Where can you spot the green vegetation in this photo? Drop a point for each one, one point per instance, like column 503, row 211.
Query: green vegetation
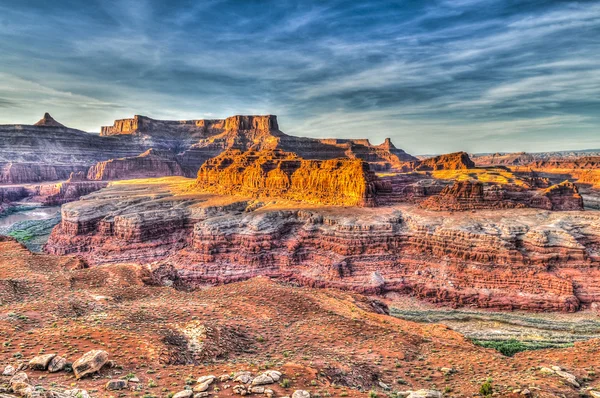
column 486, row 388
column 512, row 346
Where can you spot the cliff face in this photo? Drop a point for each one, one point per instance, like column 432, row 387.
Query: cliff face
column 277, row 174
column 470, row 195
column 50, row 151
column 505, row 259
column 451, row 161
column 147, row 165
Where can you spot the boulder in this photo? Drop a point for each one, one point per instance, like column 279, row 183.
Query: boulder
column 243, row 377
column 57, row 364
column 201, row 387
column 262, row 379
column 203, row 379
column 116, row 385
column 41, row 362
column 273, row 374
column 301, row 394
column 568, row 377
column 9, row 370
column 184, row 394
column 19, row 382
column 90, row 362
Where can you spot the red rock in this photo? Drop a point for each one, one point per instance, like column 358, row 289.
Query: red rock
column 283, row 175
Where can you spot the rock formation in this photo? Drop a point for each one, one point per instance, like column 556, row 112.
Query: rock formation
column 49, row 151
column 283, row 175
column 149, row 164
column 49, row 121
column 506, row 259
column 451, row 161
column 470, row 195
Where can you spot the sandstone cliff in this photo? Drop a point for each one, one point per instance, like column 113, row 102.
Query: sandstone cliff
column 451, row 161
column 474, row 195
column 508, row 259
column 149, row 164
column 277, row 174
column 50, row 151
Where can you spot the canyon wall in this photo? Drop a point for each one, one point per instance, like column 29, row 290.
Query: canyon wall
column 49, row 151
column 474, row 195
column 450, row 161
column 283, row 175
column 528, row 259
column 149, row 164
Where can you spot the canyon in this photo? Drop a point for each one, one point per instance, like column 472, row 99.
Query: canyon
column 521, row 258
column 157, row 216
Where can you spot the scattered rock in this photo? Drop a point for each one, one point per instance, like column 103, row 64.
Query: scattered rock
column 546, row 371
column 77, row 393
column 116, row 385
column 275, row 375
column 240, row 389
column 20, row 377
column 41, row 362
column 184, row 394
column 9, row 371
column 262, row 379
column 257, row 390
column 243, row 377
column 526, row 392
column 90, row 362
column 201, row 395
column 425, row 394
column 224, row 378
column 595, row 394
column 57, row 364
column 383, row 385
column 203, row 379
column 203, row 386
column 301, row 394
column 568, row 377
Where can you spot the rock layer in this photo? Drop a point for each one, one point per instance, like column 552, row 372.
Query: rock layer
column 283, row 175
column 510, row 259
column 149, row 164
column 49, row 151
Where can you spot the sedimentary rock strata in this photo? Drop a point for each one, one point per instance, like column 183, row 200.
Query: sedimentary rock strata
column 473, row 195
column 283, row 175
column 49, row 151
column 149, row 164
column 451, row 161
column 510, row 259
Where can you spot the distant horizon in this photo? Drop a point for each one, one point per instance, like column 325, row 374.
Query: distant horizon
column 435, row 75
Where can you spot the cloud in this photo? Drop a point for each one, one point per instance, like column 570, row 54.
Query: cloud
column 478, row 73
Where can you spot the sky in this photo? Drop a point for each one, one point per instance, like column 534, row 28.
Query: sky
column 435, row 76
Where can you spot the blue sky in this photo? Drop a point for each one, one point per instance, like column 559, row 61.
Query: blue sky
column 435, row 76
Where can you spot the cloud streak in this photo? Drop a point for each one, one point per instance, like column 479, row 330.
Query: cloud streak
column 435, row 76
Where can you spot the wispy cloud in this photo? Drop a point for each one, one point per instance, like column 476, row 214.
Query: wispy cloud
column 432, row 75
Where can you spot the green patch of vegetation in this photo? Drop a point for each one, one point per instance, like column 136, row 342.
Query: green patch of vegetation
column 486, row 388
column 21, row 236
column 512, row 346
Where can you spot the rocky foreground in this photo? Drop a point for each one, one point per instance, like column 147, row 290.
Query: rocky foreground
column 517, row 258
column 116, row 329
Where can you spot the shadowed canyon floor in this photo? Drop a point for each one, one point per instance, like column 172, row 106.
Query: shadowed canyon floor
column 329, row 342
